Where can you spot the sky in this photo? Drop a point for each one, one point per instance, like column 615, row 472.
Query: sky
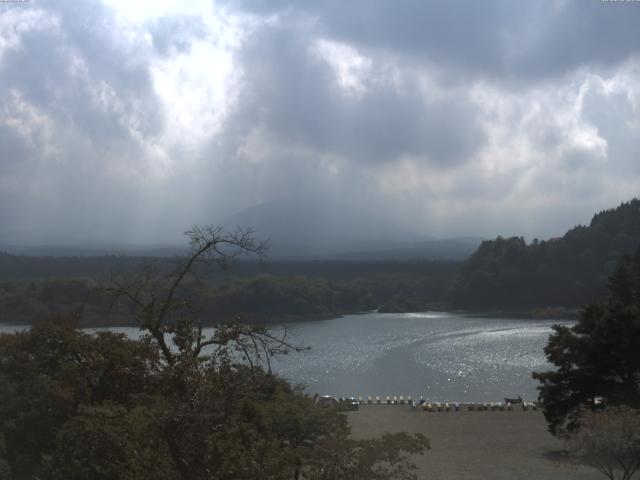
column 129, row 122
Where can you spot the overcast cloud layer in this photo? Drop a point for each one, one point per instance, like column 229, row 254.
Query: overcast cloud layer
column 129, row 124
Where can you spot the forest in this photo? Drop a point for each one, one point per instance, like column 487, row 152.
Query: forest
column 505, row 274
column 173, row 404
column 508, row 273
column 31, row 288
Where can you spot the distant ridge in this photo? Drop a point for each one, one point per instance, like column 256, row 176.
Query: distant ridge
column 322, row 228
column 317, row 222
column 299, row 228
column 93, row 250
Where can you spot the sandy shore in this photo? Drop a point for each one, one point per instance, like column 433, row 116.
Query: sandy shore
column 476, row 445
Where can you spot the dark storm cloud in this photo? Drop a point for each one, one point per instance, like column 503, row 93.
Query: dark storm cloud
column 461, row 32
column 76, row 99
column 580, row 33
column 498, row 39
column 297, row 98
column 82, row 76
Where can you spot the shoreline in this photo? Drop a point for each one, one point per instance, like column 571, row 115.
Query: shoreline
column 560, row 314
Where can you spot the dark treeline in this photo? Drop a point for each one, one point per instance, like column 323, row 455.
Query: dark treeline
column 503, row 274
column 568, row 271
column 266, row 298
column 21, row 267
column 267, row 291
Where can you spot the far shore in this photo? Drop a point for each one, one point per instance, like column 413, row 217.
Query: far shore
column 106, row 321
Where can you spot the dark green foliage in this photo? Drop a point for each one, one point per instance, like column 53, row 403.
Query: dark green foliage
column 260, row 299
column 46, row 373
column 291, row 292
column 173, row 405
column 269, row 298
column 77, row 406
column 31, row 301
column 569, row 271
column 598, row 357
column 5, row 469
column 427, row 285
column 401, row 303
column 110, row 442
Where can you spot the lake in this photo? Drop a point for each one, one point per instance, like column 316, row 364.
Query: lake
column 440, row 356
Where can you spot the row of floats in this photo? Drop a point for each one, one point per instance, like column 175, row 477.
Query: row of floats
column 426, row 406
column 480, row 407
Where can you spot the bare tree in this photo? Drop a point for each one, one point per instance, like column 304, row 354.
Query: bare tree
column 610, row 442
column 167, row 316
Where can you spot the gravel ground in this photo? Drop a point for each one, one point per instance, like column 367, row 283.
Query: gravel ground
column 476, row 445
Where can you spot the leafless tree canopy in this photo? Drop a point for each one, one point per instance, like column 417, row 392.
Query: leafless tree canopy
column 166, row 316
column 610, row 441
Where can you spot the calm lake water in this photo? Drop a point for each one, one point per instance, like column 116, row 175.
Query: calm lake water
column 441, row 356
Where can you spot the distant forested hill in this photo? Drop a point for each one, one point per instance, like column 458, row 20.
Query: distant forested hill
column 506, row 273
column 33, row 288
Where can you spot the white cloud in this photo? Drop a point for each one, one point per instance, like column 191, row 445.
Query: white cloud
column 193, row 110
column 142, row 11
column 352, row 70
column 16, row 22
column 197, row 89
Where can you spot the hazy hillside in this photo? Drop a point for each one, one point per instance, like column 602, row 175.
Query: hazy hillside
column 318, row 223
column 567, row 271
column 326, row 229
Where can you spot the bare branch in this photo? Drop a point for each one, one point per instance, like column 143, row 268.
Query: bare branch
column 160, row 311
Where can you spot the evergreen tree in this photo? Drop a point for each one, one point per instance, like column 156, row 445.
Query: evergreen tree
column 597, row 359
